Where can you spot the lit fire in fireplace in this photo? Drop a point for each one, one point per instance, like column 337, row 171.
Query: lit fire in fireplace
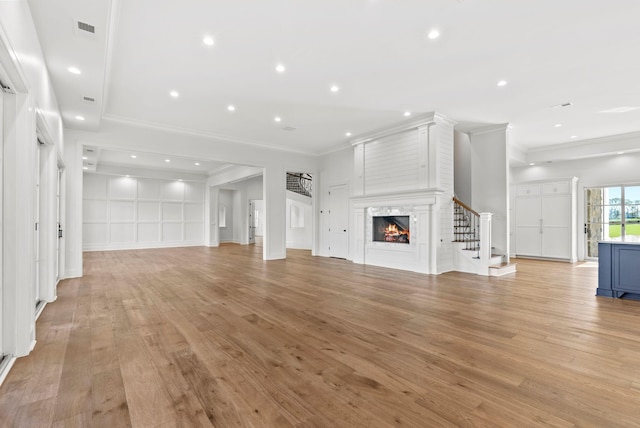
column 391, row 229
column 393, row 234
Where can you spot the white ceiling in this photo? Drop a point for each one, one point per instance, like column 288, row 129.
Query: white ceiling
column 377, row 52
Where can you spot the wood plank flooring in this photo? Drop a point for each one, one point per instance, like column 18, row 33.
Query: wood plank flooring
column 217, row 337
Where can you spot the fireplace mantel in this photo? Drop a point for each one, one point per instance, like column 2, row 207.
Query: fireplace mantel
column 409, row 197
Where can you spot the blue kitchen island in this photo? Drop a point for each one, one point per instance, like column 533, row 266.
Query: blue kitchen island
column 619, row 269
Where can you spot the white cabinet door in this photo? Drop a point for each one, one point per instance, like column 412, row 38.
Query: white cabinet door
column 556, row 226
column 556, row 242
column 528, row 237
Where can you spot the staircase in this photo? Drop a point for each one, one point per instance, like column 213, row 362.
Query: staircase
column 299, row 182
column 466, row 224
column 473, row 250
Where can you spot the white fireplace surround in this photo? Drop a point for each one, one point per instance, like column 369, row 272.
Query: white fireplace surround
column 419, row 254
column 405, row 169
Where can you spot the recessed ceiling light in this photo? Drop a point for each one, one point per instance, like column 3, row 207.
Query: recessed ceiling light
column 574, row 136
column 133, row 156
column 407, row 113
column 502, row 83
column 179, row 179
column 167, row 160
column 197, row 164
column 127, row 176
column 558, row 125
column 532, row 163
column 74, row 70
column 231, row 108
column 174, row 94
column 85, row 167
column 80, row 118
column 84, row 158
column 433, row 34
column 620, row 153
column 277, row 119
column 280, row 68
column 208, row 40
column 620, row 110
column 334, row 88
column 348, row 134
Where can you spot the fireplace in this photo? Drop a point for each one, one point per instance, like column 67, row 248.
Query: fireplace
column 393, row 229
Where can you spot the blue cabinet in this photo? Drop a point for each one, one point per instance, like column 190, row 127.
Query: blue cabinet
column 618, row 269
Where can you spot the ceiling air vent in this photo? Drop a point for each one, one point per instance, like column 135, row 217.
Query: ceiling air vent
column 89, row 99
column 83, row 26
column 563, row 105
column 288, row 128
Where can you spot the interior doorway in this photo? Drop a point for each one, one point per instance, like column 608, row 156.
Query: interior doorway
column 36, row 235
column 256, row 220
column 58, row 266
column 252, row 222
column 611, row 214
column 2, row 313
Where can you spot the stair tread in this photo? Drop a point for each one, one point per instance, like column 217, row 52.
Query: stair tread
column 502, row 265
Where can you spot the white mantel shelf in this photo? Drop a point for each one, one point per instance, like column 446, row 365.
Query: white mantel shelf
column 422, row 196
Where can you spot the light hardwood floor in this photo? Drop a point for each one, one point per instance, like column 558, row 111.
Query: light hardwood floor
column 218, row 337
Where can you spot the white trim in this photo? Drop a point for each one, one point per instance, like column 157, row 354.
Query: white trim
column 10, row 67
column 202, row 134
column 5, row 366
column 414, row 123
column 141, row 246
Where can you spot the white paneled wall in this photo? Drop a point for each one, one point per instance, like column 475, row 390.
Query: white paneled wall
column 123, row 212
column 392, row 163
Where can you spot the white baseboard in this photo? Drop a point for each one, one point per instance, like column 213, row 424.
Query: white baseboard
column 5, row 366
column 141, row 246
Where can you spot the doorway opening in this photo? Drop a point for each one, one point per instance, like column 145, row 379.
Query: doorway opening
column 611, row 214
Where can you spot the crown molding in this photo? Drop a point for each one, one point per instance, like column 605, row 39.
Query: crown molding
column 426, row 119
column 201, row 134
column 503, row 127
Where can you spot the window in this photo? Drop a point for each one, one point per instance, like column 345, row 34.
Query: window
column 612, row 214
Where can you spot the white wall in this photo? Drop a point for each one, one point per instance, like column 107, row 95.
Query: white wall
column 490, row 181
column 299, row 221
column 336, row 168
column 259, row 207
column 34, row 106
column 118, row 135
column 591, row 172
column 73, row 211
column 227, row 216
column 126, row 212
column 462, row 167
column 235, row 197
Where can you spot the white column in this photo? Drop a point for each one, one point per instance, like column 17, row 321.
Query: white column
column 433, row 239
column 485, row 243
column 275, row 201
column 73, row 209
column 48, row 227
column 358, row 170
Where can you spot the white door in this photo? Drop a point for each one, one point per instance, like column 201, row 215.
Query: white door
column 528, row 226
column 338, row 222
column 252, row 222
column 59, row 223
column 556, row 226
column 36, row 280
column 1, row 224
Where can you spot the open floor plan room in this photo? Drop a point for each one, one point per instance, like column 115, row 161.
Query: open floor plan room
column 218, row 337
